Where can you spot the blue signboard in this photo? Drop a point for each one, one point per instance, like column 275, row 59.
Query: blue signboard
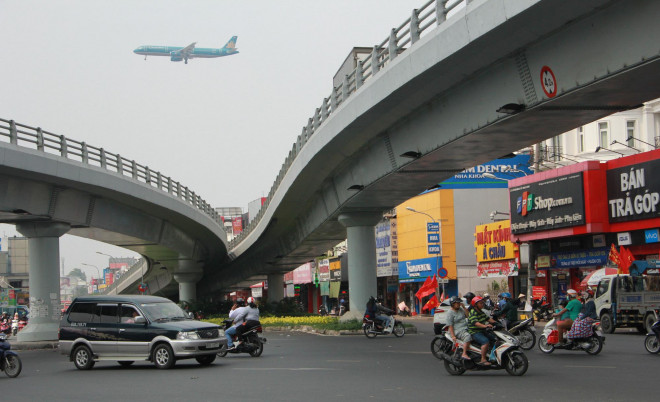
column 435, row 238
column 434, row 248
column 418, row 270
column 504, row 169
column 651, row 236
column 580, row 258
column 432, row 226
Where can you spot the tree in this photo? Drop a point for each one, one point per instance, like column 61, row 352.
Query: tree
column 78, row 273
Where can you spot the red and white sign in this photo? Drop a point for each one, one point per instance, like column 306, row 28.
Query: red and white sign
column 237, row 225
column 497, row 269
column 548, row 82
column 538, row 292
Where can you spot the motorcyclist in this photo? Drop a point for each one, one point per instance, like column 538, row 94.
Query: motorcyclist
column 456, row 320
column 568, row 314
column 488, row 303
column 468, row 298
column 249, row 316
column 478, row 323
column 508, row 312
column 375, row 306
column 582, row 326
column 236, row 310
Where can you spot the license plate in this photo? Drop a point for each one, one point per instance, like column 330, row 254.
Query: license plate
column 213, row 345
column 599, row 333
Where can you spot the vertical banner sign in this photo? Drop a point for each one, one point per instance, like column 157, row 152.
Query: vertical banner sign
column 433, row 238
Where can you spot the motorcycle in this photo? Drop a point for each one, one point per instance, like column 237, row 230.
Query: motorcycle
column 10, row 363
column 251, row 342
column 5, row 327
column 549, row 340
column 504, row 354
column 525, row 332
column 652, row 341
column 372, row 328
column 542, row 309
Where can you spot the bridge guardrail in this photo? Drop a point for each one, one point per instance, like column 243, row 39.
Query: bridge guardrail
column 54, row 144
column 400, row 39
column 432, row 13
column 138, row 266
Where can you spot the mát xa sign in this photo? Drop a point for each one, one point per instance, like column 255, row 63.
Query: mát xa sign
column 633, row 192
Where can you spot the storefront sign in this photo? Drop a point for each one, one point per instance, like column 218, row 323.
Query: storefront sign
column 548, row 204
column 574, row 259
column 493, row 242
column 497, row 269
column 623, row 239
column 302, row 274
column 599, row 241
column 538, row 292
column 418, row 270
column 503, row 169
column 633, row 192
column 651, row 236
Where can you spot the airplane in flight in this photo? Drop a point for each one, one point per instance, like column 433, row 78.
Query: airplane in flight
column 189, row 52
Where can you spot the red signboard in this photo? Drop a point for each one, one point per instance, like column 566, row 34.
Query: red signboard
column 237, row 225
column 109, row 278
column 538, row 292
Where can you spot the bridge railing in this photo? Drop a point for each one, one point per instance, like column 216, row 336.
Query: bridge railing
column 55, row 144
column 431, row 14
column 139, row 267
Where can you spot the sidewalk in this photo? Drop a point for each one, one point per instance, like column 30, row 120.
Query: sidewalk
column 37, row 345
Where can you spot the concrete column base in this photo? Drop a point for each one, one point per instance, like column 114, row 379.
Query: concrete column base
column 39, row 332
column 275, row 288
column 354, row 314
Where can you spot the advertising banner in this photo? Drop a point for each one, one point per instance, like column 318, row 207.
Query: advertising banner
column 324, row 270
column 302, row 274
column 497, row 269
column 335, row 269
column 418, row 270
column 538, row 292
column 288, row 278
column 493, row 242
column 548, row 204
column 384, row 266
column 237, row 225
column 633, row 192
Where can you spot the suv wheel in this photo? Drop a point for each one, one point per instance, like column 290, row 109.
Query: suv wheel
column 82, row 358
column 163, row 357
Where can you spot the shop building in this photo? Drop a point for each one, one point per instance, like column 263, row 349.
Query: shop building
column 571, row 217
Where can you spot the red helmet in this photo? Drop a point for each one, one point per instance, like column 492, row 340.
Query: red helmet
column 475, row 300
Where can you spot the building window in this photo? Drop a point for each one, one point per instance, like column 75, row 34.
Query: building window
column 630, row 132
column 603, row 133
column 580, row 139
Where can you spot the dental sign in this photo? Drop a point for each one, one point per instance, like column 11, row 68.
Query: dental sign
column 549, row 204
column 633, row 192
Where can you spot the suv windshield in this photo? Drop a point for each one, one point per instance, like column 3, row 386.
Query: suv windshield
column 163, row 311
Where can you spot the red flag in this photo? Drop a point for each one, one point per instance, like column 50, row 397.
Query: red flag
column 626, row 260
column 429, row 286
column 442, row 297
column 614, row 255
column 432, row 303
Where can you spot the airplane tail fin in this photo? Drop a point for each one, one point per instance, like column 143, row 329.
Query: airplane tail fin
column 232, row 43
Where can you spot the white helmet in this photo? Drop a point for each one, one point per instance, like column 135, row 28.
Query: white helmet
column 250, row 300
column 571, row 292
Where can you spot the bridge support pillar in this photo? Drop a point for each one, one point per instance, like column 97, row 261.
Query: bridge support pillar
column 44, row 252
column 275, row 288
column 362, row 260
column 188, row 273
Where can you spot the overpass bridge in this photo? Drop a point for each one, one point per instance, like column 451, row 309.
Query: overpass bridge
column 438, row 95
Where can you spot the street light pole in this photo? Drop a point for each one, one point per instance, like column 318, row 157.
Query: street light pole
column 437, row 257
column 98, row 273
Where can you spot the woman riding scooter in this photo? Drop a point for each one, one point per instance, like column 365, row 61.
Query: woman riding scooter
column 568, row 314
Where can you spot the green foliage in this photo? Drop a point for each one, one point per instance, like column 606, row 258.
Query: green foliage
column 78, row 273
column 286, row 307
column 495, row 288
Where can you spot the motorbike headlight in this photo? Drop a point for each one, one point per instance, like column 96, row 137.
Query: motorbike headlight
column 191, row 335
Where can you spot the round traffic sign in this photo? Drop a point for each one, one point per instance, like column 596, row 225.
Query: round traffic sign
column 442, row 273
column 548, row 82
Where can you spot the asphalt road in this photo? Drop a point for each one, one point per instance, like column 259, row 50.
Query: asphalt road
column 305, row 367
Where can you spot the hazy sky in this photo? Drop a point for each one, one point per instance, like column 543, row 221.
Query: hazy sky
column 222, row 127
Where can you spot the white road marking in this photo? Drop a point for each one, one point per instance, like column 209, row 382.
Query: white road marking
column 606, row 367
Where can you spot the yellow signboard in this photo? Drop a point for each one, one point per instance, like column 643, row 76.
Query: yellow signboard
column 493, row 242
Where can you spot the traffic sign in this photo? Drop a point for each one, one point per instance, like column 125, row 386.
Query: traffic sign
column 548, row 82
column 443, row 280
column 434, row 248
column 432, row 226
column 442, row 273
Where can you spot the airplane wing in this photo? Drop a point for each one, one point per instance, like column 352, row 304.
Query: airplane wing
column 187, row 51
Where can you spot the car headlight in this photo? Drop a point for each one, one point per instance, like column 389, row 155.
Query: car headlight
column 192, row 335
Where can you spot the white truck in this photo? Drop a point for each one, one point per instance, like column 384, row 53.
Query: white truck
column 627, row 301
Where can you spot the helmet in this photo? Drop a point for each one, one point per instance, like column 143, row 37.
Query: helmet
column 455, row 299
column 250, row 300
column 240, row 302
column 486, row 296
column 469, row 296
column 476, row 300
column 506, row 295
column 520, row 296
column 571, row 292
